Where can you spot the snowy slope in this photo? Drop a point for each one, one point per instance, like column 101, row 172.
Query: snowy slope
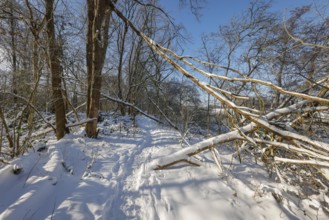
column 110, row 178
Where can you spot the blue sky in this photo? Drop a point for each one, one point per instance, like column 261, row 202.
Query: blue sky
column 219, row 12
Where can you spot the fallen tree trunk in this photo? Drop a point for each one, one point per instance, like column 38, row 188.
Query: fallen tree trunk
column 210, row 143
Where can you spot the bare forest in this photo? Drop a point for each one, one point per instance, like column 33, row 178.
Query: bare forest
column 258, row 85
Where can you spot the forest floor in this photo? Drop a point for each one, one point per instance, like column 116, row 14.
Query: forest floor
column 111, row 178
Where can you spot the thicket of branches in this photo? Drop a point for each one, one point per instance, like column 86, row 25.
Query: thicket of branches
column 260, row 82
column 58, row 58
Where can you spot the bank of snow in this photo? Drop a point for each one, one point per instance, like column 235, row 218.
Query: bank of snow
column 111, row 178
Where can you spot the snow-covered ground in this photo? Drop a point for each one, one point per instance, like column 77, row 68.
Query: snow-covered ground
column 110, row 178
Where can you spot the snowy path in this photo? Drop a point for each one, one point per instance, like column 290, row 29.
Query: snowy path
column 110, row 178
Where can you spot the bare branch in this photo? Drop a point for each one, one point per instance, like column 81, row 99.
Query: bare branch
column 132, row 106
column 32, row 106
column 156, row 7
column 163, row 114
column 302, row 41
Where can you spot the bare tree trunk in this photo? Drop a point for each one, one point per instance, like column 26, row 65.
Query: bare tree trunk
column 120, row 67
column 279, row 75
column 89, row 49
column 99, row 14
column 4, row 124
column 13, row 48
column 36, row 77
column 56, row 72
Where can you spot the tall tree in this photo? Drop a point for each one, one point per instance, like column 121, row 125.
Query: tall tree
column 56, row 71
column 13, row 24
column 121, row 47
column 99, row 14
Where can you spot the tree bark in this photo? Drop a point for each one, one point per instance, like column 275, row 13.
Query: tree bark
column 56, row 72
column 99, row 14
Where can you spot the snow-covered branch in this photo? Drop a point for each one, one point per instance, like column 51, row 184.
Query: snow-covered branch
column 246, row 79
column 257, row 119
column 216, row 141
column 305, row 162
column 81, row 122
column 132, row 106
